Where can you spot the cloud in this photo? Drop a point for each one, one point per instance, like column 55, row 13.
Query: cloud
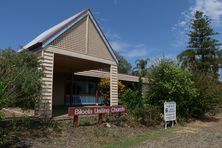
column 120, row 46
column 127, row 49
column 138, row 51
column 130, row 50
column 211, row 8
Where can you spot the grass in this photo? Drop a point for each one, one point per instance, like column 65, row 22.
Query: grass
column 86, row 121
column 133, row 141
column 29, row 132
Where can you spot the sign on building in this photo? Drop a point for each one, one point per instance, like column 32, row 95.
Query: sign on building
column 169, row 112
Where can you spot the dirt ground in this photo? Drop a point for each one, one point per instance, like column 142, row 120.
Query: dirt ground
column 83, row 136
column 198, row 134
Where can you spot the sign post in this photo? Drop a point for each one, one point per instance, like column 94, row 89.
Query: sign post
column 169, row 112
column 99, row 110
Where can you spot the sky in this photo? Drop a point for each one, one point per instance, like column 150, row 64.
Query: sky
column 137, row 29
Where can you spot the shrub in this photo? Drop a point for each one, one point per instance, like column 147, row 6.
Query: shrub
column 146, row 114
column 4, row 100
column 20, row 74
column 133, row 100
column 151, row 115
column 169, row 82
column 209, row 97
column 104, row 87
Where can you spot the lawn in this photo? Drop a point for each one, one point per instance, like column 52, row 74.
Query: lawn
column 198, row 133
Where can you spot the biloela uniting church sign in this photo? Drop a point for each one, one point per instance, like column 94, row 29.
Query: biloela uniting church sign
column 95, row 110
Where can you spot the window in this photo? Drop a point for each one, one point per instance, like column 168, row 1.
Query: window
column 80, row 87
column 92, row 88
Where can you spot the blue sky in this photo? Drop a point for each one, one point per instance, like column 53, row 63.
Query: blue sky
column 135, row 28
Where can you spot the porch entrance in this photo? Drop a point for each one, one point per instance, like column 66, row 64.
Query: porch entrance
column 73, row 90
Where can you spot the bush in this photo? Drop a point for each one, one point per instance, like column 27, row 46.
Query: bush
column 133, row 100
column 20, row 74
column 104, row 88
column 209, row 97
column 151, row 115
column 169, row 82
column 4, row 100
column 146, row 114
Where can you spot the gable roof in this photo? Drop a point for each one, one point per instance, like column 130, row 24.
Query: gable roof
column 52, row 33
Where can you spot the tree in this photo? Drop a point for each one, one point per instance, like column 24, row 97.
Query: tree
column 202, row 53
column 141, row 67
column 133, row 99
column 124, row 66
column 169, row 82
column 209, row 98
column 20, row 79
column 104, row 88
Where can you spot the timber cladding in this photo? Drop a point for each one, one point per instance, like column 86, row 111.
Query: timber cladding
column 83, row 38
column 74, row 39
column 113, row 85
column 96, row 46
column 44, row 108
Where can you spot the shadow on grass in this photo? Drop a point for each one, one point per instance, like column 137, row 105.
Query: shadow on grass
column 207, row 118
column 14, row 129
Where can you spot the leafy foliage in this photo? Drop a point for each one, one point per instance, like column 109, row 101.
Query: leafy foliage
column 141, row 67
column 104, row 88
column 151, row 115
column 20, row 75
column 133, row 100
column 124, row 66
column 146, row 114
column 4, row 100
column 169, row 82
column 203, row 50
column 209, row 97
column 202, row 58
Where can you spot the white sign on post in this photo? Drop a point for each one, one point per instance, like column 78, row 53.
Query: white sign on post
column 169, row 111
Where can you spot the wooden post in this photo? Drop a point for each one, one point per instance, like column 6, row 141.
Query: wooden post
column 100, row 121
column 97, row 97
column 71, row 101
column 75, row 121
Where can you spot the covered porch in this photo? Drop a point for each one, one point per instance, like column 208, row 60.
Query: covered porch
column 70, row 89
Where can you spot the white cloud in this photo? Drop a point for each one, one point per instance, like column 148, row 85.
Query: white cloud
column 119, row 45
column 130, row 50
column 127, row 49
column 182, row 23
column 138, row 51
column 211, row 8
